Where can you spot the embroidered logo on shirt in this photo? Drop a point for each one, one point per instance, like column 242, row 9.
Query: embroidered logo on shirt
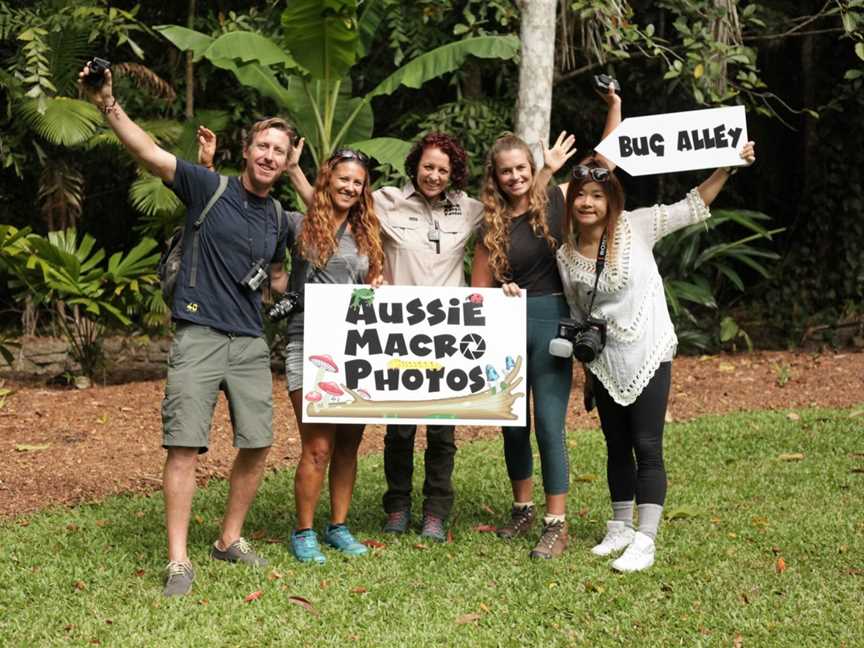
column 452, row 210
column 192, row 308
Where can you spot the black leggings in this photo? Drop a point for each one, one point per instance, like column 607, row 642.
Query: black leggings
column 636, row 429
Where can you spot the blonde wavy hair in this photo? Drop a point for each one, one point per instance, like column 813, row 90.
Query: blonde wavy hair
column 497, row 211
column 317, row 240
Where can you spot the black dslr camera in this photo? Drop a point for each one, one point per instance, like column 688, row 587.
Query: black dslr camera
column 96, row 77
column 290, row 302
column 583, row 340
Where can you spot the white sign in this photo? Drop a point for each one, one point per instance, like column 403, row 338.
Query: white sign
column 682, row 141
column 410, row 354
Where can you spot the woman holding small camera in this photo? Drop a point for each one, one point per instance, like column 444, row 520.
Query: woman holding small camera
column 609, row 275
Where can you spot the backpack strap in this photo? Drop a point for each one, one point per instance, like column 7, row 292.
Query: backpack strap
column 223, row 184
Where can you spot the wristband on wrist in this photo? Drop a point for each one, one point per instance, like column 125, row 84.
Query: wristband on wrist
column 107, row 108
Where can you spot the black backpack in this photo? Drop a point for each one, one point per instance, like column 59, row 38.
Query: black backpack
column 168, row 268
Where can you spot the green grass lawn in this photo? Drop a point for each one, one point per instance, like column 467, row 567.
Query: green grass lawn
column 741, row 497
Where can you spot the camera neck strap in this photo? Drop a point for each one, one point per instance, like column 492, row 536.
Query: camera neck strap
column 339, row 234
column 598, row 268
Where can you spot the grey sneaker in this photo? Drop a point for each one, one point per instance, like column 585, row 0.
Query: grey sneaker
column 398, row 521
column 521, row 521
column 178, row 578
column 433, row 528
column 240, row 551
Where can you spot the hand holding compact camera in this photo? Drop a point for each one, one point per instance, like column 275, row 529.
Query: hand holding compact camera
column 602, row 81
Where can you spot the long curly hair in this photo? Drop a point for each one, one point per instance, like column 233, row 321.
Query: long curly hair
column 614, row 193
column 450, row 146
column 317, row 240
column 498, row 212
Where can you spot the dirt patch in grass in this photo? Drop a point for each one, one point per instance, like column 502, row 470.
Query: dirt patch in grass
column 68, row 446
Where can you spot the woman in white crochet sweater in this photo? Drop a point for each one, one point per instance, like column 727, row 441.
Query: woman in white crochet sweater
column 630, row 378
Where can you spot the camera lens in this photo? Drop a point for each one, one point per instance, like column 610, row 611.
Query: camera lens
column 587, row 345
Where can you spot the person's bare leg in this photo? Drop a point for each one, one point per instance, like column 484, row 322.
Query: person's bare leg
column 178, row 488
column 317, row 447
column 343, row 471
column 245, row 478
column 556, row 504
column 523, row 489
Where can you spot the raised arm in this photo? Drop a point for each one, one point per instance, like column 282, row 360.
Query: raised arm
column 613, row 119
column 296, row 176
column 140, row 145
column 714, row 183
column 206, row 147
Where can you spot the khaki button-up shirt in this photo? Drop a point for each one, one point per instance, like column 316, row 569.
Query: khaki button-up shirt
column 407, row 218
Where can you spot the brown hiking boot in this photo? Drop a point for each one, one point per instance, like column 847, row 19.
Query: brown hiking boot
column 553, row 542
column 521, row 521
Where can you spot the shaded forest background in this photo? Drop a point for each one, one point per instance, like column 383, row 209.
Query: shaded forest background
column 798, row 68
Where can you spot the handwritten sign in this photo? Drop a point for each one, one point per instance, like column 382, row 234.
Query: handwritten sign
column 412, row 355
column 682, row 141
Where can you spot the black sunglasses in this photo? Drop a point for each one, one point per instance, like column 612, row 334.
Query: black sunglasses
column 342, row 154
column 598, row 174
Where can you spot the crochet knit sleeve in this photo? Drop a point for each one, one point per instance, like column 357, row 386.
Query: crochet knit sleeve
column 658, row 221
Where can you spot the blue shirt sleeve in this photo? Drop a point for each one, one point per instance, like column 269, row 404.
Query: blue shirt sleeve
column 193, row 185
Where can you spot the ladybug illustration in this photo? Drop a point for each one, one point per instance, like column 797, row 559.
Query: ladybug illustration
column 475, row 298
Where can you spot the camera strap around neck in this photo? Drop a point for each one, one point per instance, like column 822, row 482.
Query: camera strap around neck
column 339, row 234
column 598, row 268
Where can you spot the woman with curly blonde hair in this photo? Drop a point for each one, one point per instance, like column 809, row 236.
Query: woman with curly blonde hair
column 523, row 229
column 338, row 241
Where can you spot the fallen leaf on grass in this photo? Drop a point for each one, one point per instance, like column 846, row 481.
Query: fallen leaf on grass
column 139, row 573
column 71, row 527
column 258, row 535
column 597, row 588
column 582, row 513
column 682, row 513
column 102, row 420
column 856, row 413
column 485, row 608
column 485, row 528
column 302, row 602
column 274, row 575
column 32, row 447
column 791, row 456
column 759, row 521
column 102, row 523
column 254, row 596
column 780, row 565
column 738, row 642
column 421, row 546
column 199, row 519
column 358, row 590
column 373, row 544
column 792, row 416
column 588, row 477
column 726, row 367
column 204, row 602
column 775, row 550
column 854, row 571
column 488, row 509
column 79, row 585
column 464, row 619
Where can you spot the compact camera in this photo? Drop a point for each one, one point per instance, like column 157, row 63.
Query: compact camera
column 96, row 77
column 602, row 81
column 290, row 302
column 255, row 277
column 583, row 340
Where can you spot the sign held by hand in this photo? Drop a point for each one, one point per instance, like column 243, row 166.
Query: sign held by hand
column 682, row 141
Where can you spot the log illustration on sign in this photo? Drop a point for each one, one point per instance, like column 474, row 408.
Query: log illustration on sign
column 496, row 402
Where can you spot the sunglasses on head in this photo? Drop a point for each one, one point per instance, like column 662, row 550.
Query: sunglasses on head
column 342, row 154
column 598, row 174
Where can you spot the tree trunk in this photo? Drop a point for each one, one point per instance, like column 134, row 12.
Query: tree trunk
column 190, row 70
column 536, row 70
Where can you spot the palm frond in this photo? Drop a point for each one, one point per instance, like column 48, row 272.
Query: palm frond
column 70, row 48
column 149, row 196
column 65, row 121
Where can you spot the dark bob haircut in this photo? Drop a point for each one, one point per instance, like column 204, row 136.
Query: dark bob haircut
column 450, row 146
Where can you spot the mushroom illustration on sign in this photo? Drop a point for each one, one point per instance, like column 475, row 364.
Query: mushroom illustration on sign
column 314, row 397
column 509, row 363
column 322, row 363
column 491, row 376
column 332, row 390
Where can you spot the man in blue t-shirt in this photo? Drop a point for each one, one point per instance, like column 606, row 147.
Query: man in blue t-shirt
column 219, row 343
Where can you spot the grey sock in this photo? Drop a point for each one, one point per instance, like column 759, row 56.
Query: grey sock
column 623, row 512
column 649, row 519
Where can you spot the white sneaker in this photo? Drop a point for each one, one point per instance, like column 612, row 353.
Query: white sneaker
column 638, row 556
column 618, row 537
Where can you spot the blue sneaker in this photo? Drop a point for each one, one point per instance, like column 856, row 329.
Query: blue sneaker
column 304, row 546
column 340, row 538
